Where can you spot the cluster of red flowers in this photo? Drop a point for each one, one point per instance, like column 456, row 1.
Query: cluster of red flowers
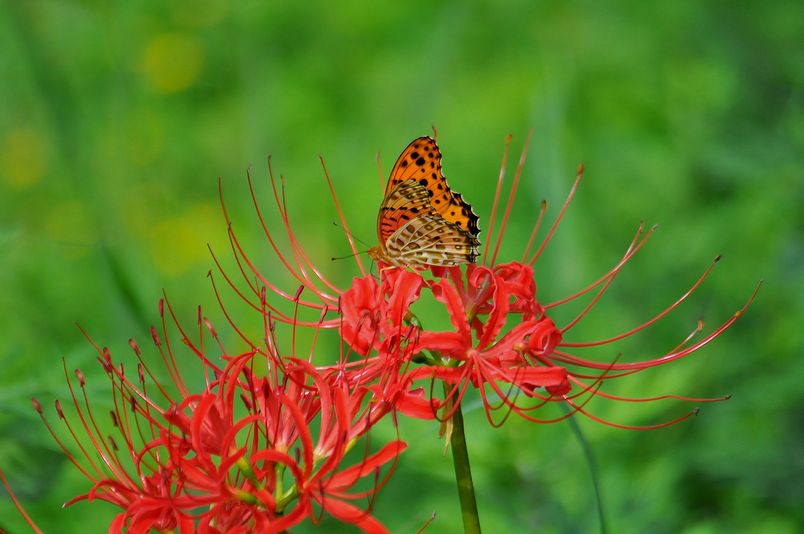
column 262, row 446
column 264, row 443
column 503, row 341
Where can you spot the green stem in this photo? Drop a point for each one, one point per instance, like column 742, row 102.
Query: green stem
column 463, row 475
column 590, row 461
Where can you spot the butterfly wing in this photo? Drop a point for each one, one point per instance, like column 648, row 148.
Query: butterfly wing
column 403, row 203
column 413, row 233
column 431, row 240
column 421, row 220
column 421, row 162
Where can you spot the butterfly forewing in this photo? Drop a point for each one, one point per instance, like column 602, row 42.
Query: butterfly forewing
column 406, row 201
column 421, row 161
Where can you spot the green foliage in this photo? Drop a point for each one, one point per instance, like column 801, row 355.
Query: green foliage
column 120, row 117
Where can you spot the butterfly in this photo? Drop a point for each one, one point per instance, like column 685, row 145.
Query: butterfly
column 421, row 220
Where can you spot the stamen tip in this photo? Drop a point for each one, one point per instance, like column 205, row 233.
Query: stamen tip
column 298, row 293
column 717, row 258
column 580, row 169
column 728, row 397
column 696, row 411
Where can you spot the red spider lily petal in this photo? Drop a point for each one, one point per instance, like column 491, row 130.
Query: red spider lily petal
column 361, row 307
column 373, row 314
column 544, row 337
column 414, row 403
column 232, row 517
column 446, row 292
column 348, row 477
column 452, row 344
column 403, row 288
column 498, row 314
column 348, row 513
column 521, row 285
column 525, row 377
column 330, row 493
column 206, row 426
column 147, row 514
column 554, row 379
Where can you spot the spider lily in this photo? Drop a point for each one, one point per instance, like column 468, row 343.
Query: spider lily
column 503, row 340
column 251, row 451
column 262, row 444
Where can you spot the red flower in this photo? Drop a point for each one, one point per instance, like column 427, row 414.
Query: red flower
column 493, row 359
column 361, row 307
column 215, row 461
column 373, row 314
column 502, row 337
column 261, row 446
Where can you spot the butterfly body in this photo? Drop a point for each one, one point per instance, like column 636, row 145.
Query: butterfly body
column 421, row 220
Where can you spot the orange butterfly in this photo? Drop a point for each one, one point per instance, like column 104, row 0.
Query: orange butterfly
column 421, row 220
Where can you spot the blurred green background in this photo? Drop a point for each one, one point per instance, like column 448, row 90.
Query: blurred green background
column 118, row 118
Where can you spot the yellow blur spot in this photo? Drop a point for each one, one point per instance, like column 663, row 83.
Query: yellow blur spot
column 23, row 158
column 179, row 242
column 172, row 62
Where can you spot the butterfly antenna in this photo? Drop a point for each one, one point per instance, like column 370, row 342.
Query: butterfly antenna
column 435, row 132
column 336, row 225
column 335, row 258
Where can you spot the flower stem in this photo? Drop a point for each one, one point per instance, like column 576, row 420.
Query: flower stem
column 463, row 475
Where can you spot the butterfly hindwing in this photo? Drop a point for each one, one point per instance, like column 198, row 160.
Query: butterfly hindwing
column 431, row 240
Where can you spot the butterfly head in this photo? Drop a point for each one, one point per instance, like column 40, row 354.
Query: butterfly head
column 375, row 253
